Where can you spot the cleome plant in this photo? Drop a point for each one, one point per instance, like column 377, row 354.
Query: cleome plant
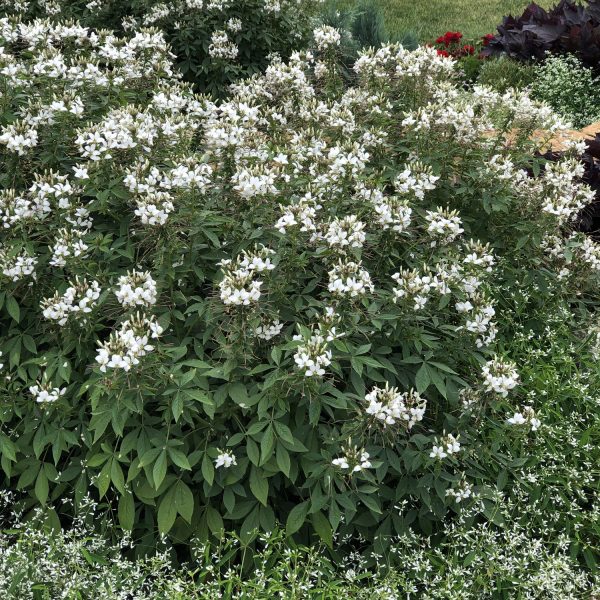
column 279, row 308
column 215, row 42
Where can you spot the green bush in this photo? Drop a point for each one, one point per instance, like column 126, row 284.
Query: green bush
column 216, row 42
column 503, row 73
column 570, row 88
column 275, row 309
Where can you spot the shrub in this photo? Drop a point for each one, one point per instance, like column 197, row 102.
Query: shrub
column 216, row 42
column 502, row 74
column 571, row 89
column 568, row 28
column 270, row 310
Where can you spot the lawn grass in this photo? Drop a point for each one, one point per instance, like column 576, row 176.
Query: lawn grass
column 428, row 19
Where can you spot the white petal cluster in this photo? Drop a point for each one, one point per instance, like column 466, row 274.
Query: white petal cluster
column 313, row 356
column 415, row 180
column 347, row 232
column 463, row 491
column 349, row 279
column 353, row 460
column 136, row 289
column 225, row 459
column 128, row 344
column 525, row 418
column 78, row 301
column 239, row 286
column 222, row 47
column 67, row 244
column 268, row 330
column 19, row 138
column 500, row 376
column 447, row 446
column 444, row 225
column 327, row 37
column 45, row 393
column 17, row 266
column 389, row 406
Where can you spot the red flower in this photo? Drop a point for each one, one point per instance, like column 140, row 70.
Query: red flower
column 487, row 38
column 468, row 49
column 452, row 37
column 443, row 53
column 441, row 40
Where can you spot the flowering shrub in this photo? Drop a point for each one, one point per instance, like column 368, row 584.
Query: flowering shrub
column 570, row 88
column 216, row 42
column 279, row 308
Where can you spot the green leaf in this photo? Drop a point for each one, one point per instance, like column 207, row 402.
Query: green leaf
column 323, row 528
column 41, row 487
column 283, row 459
column 214, row 520
column 167, row 512
column 259, row 485
column 179, row 458
column 159, row 470
column 296, row 518
column 116, row 475
column 184, row 500
column 238, row 393
column 267, row 444
column 126, row 511
column 422, row 379
column 208, row 469
column 252, row 451
column 13, row 308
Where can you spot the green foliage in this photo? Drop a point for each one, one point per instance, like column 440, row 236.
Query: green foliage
column 570, row 88
column 503, row 73
column 470, row 562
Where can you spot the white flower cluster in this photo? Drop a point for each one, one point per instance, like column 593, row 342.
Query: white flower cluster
column 78, row 301
column 45, row 393
column 327, row 37
column 345, row 233
column 391, row 212
column 349, row 279
column 154, row 208
column 136, row 289
column 526, row 417
column 415, row 180
column 463, row 491
column 500, row 376
column 445, row 447
column 19, row 138
column 352, row 460
column 302, row 214
column 389, row 406
column 268, row 330
column 128, row 344
column 444, row 225
column 68, row 243
column 313, row 356
column 225, row 459
column 17, row 266
column 238, row 286
column 222, row 47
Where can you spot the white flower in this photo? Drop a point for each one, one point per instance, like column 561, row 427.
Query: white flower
column 326, row 37
column 500, row 377
column 136, row 289
column 225, row 459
